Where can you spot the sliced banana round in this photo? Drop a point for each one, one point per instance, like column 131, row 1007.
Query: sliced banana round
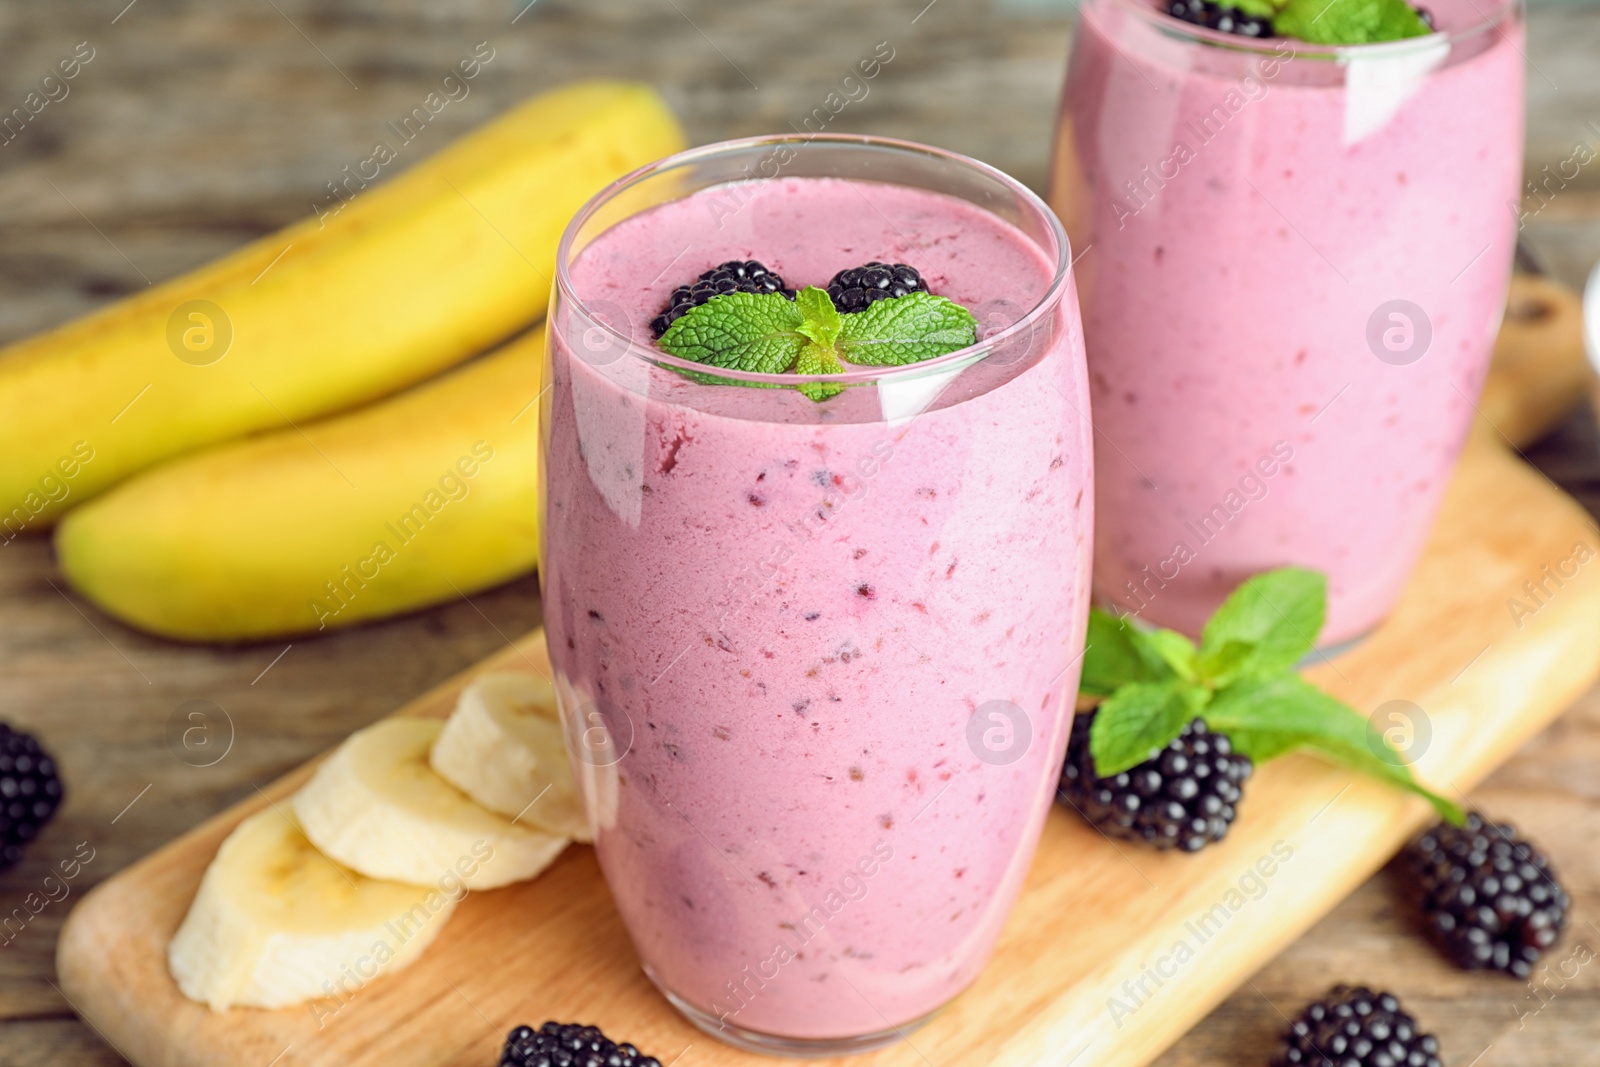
column 503, row 747
column 375, row 805
column 276, row 922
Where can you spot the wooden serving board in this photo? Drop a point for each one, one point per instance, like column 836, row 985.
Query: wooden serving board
column 1112, row 952
column 1540, row 370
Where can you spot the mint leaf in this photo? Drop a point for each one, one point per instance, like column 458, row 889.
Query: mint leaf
column 906, row 329
column 1114, row 656
column 821, row 325
column 1138, row 720
column 1267, row 625
column 1266, row 717
column 822, row 319
column 1349, row 21
column 770, row 334
column 740, row 331
column 1173, row 649
column 1264, row 9
column 817, row 359
column 1116, row 652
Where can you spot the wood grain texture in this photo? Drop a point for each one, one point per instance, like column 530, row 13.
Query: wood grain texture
column 1124, row 926
column 1541, row 371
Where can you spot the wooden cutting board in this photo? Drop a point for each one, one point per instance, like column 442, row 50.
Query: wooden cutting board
column 1092, row 917
column 1540, row 370
column 1112, row 951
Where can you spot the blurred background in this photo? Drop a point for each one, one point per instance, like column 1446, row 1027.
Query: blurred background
column 197, row 127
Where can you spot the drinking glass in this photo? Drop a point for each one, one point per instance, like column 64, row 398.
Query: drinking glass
column 816, row 660
column 1294, row 263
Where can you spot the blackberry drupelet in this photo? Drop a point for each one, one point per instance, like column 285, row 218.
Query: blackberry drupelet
column 857, row 288
column 734, row 276
column 30, row 792
column 1215, row 16
column 1488, row 898
column 1184, row 797
column 569, row 1045
column 1356, row 1028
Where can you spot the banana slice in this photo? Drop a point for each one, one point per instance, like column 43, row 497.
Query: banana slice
column 375, row 805
column 276, row 922
column 503, row 747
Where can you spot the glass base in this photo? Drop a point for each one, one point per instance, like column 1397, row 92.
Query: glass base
column 794, row 1047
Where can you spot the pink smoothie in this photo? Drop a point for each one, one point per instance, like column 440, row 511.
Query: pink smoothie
column 788, row 613
column 1245, row 221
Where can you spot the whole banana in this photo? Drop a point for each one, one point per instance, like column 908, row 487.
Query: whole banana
column 408, row 277
column 414, row 500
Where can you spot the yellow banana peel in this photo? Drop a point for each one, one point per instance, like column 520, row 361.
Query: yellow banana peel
column 406, row 278
column 412, row 501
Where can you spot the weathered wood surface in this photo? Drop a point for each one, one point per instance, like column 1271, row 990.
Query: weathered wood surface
column 197, row 126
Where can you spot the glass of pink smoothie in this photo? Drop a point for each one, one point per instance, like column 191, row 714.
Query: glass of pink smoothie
column 816, row 659
column 1293, row 265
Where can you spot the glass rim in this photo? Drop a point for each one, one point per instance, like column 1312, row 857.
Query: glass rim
column 1195, row 34
column 959, row 359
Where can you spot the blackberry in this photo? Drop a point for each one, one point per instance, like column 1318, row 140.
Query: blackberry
column 734, row 276
column 1488, row 898
column 1355, row 1027
column 569, row 1045
column 857, row 288
column 1184, row 797
column 1215, row 16
column 30, row 792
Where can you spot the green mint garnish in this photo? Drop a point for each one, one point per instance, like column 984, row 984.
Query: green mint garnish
column 1265, row 627
column 740, row 331
column 1240, row 681
column 770, row 334
column 821, row 327
column 1348, row 21
column 1261, row 9
column 906, row 329
column 1136, row 712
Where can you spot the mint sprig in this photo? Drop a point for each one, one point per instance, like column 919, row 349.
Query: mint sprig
column 1240, row 681
column 1348, row 21
column 821, row 325
column 770, row 334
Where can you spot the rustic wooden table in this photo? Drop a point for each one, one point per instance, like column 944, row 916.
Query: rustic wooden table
column 197, row 126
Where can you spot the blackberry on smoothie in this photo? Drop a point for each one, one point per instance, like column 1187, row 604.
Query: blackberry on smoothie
column 816, row 570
